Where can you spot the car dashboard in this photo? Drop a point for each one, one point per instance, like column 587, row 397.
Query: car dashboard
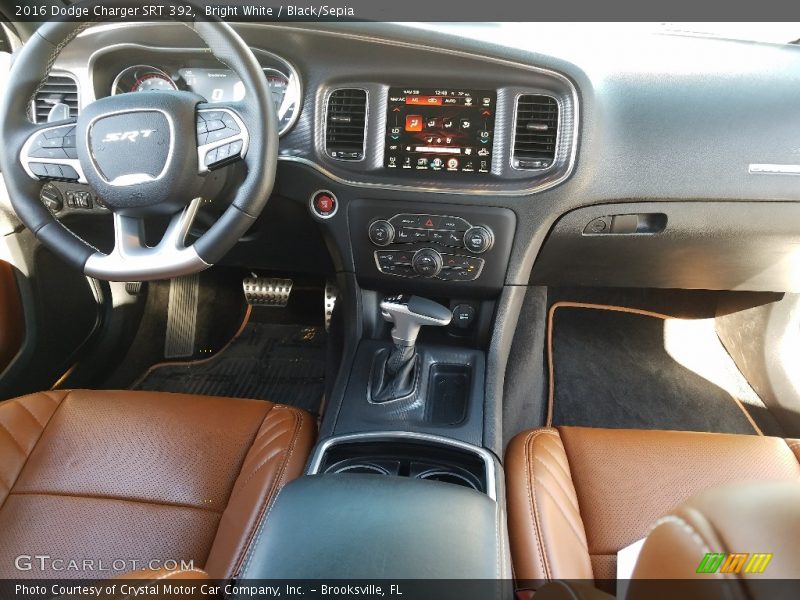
column 618, row 157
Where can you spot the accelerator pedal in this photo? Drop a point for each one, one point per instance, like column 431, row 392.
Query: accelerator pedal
column 182, row 316
column 266, row 291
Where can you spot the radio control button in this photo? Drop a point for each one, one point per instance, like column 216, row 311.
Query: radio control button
column 381, row 233
column 478, row 239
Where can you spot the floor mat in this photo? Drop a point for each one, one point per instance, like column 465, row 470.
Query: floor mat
column 623, row 368
column 266, row 361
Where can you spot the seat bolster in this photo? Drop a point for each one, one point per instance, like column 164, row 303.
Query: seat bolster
column 22, row 421
column 164, row 574
column 548, row 540
column 278, row 455
column 795, row 446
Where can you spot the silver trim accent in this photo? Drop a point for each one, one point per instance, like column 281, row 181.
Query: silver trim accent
column 243, row 135
column 487, row 457
column 59, row 74
column 26, row 160
column 294, row 77
column 773, row 169
column 131, row 178
column 437, row 277
column 313, row 209
column 132, row 260
column 150, row 67
column 514, row 133
column 327, row 99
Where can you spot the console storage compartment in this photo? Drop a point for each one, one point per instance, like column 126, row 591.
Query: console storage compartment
column 346, row 526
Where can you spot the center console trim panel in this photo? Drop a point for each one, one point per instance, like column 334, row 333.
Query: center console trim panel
column 487, row 457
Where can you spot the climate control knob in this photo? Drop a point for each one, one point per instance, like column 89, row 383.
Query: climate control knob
column 381, row 233
column 478, row 239
column 427, row 262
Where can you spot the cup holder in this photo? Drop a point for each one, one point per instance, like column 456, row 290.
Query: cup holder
column 359, row 466
column 448, row 476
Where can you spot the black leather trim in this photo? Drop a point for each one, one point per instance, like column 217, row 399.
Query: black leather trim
column 371, row 526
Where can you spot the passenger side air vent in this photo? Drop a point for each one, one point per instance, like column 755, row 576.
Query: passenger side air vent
column 536, row 131
column 58, row 89
column 345, row 125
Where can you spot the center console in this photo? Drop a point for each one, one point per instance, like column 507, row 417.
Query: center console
column 390, row 506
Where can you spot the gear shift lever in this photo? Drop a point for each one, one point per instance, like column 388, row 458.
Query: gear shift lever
column 395, row 373
column 409, row 314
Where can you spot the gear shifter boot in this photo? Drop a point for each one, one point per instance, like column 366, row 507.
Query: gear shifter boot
column 394, row 374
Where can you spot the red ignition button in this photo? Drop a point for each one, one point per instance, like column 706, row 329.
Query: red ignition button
column 324, row 204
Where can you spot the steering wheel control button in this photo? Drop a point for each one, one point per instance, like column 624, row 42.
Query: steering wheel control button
column 213, row 127
column 381, row 233
column 478, row 239
column 427, row 262
column 79, row 199
column 51, row 197
column 323, row 204
column 55, row 172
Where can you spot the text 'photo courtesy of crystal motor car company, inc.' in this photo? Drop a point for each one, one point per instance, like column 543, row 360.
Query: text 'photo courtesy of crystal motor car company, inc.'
column 399, row 300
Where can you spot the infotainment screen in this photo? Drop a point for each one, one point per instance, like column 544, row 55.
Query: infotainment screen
column 446, row 130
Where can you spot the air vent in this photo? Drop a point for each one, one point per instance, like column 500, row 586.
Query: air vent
column 58, row 89
column 346, row 123
column 536, row 132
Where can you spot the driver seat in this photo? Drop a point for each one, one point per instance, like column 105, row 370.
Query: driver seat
column 134, row 480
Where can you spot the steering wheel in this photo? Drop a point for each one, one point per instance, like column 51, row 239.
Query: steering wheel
column 143, row 154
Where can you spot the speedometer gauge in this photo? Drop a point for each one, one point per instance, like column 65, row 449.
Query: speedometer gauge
column 142, row 78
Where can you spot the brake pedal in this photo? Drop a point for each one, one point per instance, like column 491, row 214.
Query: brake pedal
column 182, row 316
column 331, row 294
column 265, row 291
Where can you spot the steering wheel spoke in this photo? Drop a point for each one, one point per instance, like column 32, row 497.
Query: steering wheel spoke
column 222, row 136
column 50, row 153
column 133, row 260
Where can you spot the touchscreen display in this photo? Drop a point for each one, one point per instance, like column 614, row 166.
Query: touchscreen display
column 447, row 130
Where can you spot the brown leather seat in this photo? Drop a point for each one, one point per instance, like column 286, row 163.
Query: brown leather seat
column 576, row 496
column 121, row 476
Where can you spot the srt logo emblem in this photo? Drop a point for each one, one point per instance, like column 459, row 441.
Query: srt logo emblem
column 130, row 136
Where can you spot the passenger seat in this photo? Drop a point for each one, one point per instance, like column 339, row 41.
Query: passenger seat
column 576, row 495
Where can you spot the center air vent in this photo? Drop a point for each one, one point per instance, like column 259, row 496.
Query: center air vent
column 58, row 89
column 346, row 123
column 536, row 132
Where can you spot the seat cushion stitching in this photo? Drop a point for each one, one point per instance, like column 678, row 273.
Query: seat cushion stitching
column 572, row 501
column 13, row 439
column 569, row 522
column 276, row 485
column 33, row 448
column 33, row 416
column 114, row 499
column 532, row 507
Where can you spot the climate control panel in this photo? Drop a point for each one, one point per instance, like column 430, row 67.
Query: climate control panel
column 435, row 243
column 447, row 249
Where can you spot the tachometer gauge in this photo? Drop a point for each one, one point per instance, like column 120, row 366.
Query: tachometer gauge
column 142, row 78
column 285, row 93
